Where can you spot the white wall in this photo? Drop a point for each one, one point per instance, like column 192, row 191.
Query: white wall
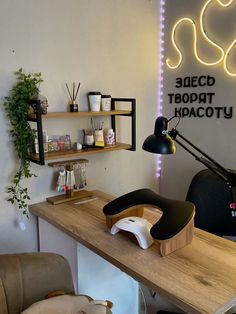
column 107, row 45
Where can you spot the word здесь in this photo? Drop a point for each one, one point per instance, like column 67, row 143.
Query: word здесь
column 197, row 98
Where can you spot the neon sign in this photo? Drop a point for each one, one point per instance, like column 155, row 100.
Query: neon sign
column 224, row 54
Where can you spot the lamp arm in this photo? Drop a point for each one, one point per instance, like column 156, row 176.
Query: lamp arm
column 210, row 163
column 228, row 176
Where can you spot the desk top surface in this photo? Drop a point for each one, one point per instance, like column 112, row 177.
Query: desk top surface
column 199, row 278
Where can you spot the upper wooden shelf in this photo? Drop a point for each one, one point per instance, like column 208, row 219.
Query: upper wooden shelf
column 52, row 115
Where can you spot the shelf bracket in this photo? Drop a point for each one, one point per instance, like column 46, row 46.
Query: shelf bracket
column 36, row 104
column 132, row 115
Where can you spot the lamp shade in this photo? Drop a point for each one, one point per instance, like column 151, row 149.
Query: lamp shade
column 160, row 142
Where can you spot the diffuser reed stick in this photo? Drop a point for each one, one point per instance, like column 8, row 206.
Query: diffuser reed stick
column 73, row 95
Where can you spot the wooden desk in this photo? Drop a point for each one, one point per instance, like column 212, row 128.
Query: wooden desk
column 200, row 278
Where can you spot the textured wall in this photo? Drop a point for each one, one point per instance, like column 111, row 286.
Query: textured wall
column 107, row 45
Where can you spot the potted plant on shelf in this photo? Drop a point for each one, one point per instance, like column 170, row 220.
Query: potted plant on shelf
column 17, row 105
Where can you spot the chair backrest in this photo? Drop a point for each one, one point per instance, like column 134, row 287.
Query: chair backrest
column 211, row 197
column 28, row 277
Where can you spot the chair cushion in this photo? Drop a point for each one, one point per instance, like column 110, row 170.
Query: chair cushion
column 69, row 304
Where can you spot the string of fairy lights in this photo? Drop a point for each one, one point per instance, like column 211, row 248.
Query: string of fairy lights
column 160, row 85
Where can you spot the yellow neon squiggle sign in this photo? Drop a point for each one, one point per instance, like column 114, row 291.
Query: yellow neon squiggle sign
column 175, row 45
column 225, row 59
column 224, row 4
column 224, row 54
column 205, row 35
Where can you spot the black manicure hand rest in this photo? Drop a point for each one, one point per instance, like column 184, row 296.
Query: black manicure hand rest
column 176, row 214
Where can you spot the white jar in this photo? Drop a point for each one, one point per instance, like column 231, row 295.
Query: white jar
column 94, row 99
column 106, row 103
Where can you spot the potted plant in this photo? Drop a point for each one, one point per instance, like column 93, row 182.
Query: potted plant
column 17, row 105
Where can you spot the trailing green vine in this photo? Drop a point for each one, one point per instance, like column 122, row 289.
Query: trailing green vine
column 17, row 106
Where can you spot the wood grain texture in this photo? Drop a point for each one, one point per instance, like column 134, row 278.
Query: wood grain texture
column 180, row 240
column 199, row 278
column 65, row 162
column 86, row 151
column 63, row 198
column 79, row 114
column 136, row 211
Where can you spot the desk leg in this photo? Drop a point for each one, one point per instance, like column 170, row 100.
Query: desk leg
column 101, row 280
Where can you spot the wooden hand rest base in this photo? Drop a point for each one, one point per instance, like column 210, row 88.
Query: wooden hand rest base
column 175, row 228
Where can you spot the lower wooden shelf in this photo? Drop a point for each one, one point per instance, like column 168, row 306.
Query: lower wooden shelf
column 87, row 151
column 59, row 199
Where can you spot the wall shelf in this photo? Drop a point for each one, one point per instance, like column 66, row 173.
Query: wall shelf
column 38, row 117
column 75, row 154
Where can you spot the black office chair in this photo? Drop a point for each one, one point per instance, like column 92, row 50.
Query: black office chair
column 211, row 197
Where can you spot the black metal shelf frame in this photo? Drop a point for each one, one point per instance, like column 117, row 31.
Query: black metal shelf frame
column 132, row 115
column 38, row 120
column 36, row 104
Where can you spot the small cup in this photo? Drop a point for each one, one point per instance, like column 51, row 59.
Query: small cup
column 89, row 140
column 94, row 99
column 106, row 102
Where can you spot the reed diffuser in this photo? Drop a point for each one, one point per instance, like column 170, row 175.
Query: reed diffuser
column 73, row 96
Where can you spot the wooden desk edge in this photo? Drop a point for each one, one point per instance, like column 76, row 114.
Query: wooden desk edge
column 36, row 211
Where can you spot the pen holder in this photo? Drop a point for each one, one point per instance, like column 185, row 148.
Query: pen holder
column 89, row 139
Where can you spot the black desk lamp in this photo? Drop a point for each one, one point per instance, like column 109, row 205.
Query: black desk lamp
column 163, row 142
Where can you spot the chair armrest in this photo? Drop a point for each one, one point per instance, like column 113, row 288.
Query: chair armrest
column 29, row 277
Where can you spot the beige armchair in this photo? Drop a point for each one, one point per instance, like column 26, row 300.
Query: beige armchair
column 27, row 278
